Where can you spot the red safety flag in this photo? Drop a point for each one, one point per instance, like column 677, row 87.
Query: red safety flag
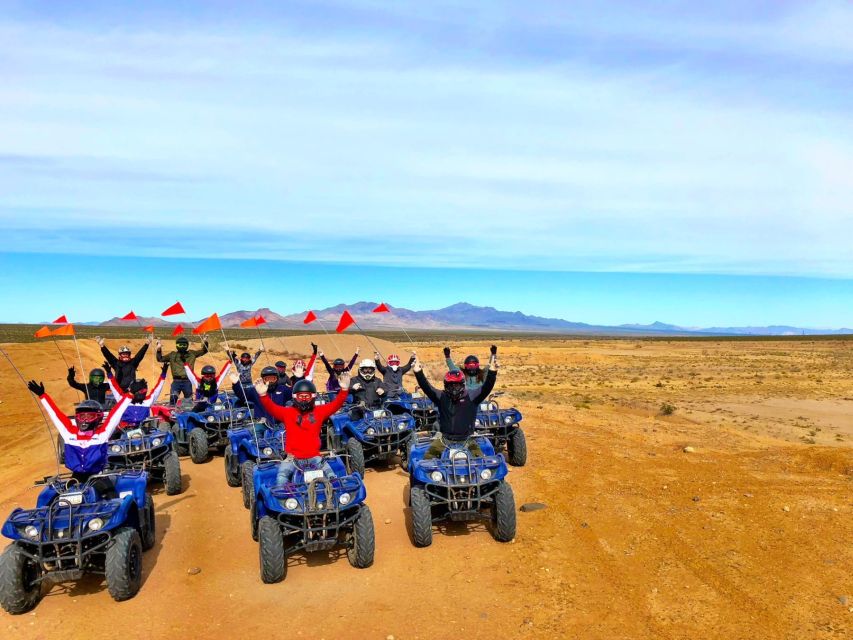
column 129, row 316
column 211, row 324
column 60, row 320
column 382, row 308
column 174, row 310
column 250, row 323
column 178, row 330
column 345, row 321
column 149, row 328
column 44, row 332
column 260, row 320
column 311, row 317
column 67, row 330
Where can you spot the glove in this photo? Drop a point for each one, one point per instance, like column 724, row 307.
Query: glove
column 107, row 368
column 314, row 347
column 71, row 372
column 232, row 354
column 99, row 340
column 234, row 377
column 260, row 386
column 417, row 365
column 159, row 345
column 164, row 368
column 446, row 352
column 36, row 387
column 380, row 391
column 356, row 386
column 494, row 349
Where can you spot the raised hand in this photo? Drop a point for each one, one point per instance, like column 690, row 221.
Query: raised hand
column 344, row 379
column 107, row 367
column 234, row 377
column 320, row 353
column 446, row 352
column 314, row 348
column 164, row 368
column 417, row 365
column 99, row 340
column 71, row 372
column 36, row 387
column 260, row 386
column 494, row 349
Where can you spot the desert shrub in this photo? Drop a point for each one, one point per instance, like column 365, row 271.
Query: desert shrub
column 667, row 409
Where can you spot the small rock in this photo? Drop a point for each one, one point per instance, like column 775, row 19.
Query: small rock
column 688, row 449
column 387, row 520
column 194, row 571
column 696, row 498
column 532, row 506
column 747, row 495
column 389, row 637
column 584, row 525
column 843, row 600
column 786, row 508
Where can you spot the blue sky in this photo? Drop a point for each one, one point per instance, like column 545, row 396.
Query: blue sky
column 616, row 137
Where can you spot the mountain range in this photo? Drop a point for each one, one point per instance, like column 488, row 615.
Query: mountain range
column 467, row 317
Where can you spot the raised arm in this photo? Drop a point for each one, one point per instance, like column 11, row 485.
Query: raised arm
column 222, row 373
column 326, row 363
column 488, row 385
column 424, row 384
column 66, row 427
column 198, row 353
column 407, row 367
column 309, row 371
column 114, row 388
column 326, row 410
column 256, row 356
column 154, row 394
column 108, row 354
column 73, row 383
column 111, row 420
column 381, row 368
column 161, row 357
column 140, row 354
column 193, row 378
column 352, row 361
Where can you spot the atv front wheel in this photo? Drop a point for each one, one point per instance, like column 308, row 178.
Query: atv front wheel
column 147, row 524
column 19, row 591
column 232, row 471
column 360, row 554
column 356, row 456
column 60, row 450
column 124, row 564
column 247, row 473
column 421, row 517
column 253, row 519
column 517, row 447
column 172, row 473
column 503, row 514
column 271, row 551
column 199, row 447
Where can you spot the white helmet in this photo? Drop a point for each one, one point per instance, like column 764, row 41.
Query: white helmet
column 367, row 369
column 367, row 363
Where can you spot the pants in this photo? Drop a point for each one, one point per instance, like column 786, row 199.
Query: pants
column 439, row 445
column 287, row 467
column 178, row 387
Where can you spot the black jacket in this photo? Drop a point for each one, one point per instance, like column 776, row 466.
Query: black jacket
column 394, row 379
column 125, row 372
column 456, row 419
column 93, row 392
column 367, row 393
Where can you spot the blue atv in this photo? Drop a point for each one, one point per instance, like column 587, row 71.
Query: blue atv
column 147, row 447
column 197, row 433
column 249, row 446
column 459, row 487
column 311, row 513
column 418, row 406
column 368, row 435
column 101, row 526
column 501, row 427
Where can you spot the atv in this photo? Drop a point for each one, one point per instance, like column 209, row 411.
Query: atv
column 147, row 447
column 418, row 406
column 459, row 487
column 247, row 447
column 368, row 435
column 100, row 526
column 197, row 433
column 310, row 513
column 501, row 427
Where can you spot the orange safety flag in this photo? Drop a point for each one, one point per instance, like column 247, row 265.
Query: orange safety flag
column 67, row 330
column 211, row 324
column 129, row 316
column 345, row 321
column 174, row 310
column 149, row 328
column 44, row 332
column 382, row 308
column 178, row 330
column 61, row 320
column 248, row 324
column 311, row 317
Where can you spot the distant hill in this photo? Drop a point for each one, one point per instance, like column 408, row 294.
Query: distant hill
column 463, row 316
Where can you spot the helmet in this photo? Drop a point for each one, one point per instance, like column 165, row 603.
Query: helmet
column 245, row 358
column 88, row 415
column 393, row 360
column 301, row 390
column 138, row 389
column 367, row 369
column 472, row 365
column 339, row 364
column 124, row 349
column 454, row 385
column 207, row 371
column 96, row 373
column 182, row 344
column 299, row 363
column 281, row 364
column 268, row 372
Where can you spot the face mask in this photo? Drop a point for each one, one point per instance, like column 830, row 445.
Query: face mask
column 96, row 381
column 394, row 367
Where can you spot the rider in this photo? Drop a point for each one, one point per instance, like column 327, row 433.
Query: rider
column 301, row 372
column 125, row 366
column 207, row 387
column 140, row 404
column 96, row 389
column 281, row 369
column 474, row 375
column 244, row 364
column 302, row 423
column 392, row 375
column 177, row 359
column 86, row 434
column 366, row 388
column 277, row 391
column 335, row 370
column 457, row 408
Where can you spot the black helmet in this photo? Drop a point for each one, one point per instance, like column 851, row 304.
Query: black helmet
column 97, row 373
column 304, row 386
column 182, row 343
column 245, row 356
column 472, row 365
column 88, row 415
column 138, row 389
column 267, row 372
column 338, row 364
column 281, row 364
column 454, row 385
column 208, row 370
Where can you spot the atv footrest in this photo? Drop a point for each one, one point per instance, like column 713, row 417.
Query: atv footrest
column 464, row 516
column 320, row 545
column 65, row 575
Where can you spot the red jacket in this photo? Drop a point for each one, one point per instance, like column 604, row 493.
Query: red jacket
column 303, row 429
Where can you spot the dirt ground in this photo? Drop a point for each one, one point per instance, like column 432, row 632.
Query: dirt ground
column 750, row 535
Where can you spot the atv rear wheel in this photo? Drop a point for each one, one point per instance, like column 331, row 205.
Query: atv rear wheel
column 517, row 448
column 199, row 447
column 271, row 551
column 253, row 516
column 232, row 471
column 503, row 514
column 172, row 473
column 147, row 524
column 421, row 517
column 60, row 450
column 19, row 592
column 247, row 473
column 360, row 554
column 356, row 456
column 124, row 564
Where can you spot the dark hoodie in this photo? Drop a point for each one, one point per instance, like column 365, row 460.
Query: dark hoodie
column 456, row 419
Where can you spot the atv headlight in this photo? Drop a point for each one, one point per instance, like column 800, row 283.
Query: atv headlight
column 485, row 474
column 460, row 455
column 436, row 476
column 414, row 405
column 291, row 503
column 370, row 431
column 344, row 498
column 156, row 442
column 31, row 532
column 402, row 425
column 477, row 422
column 211, row 418
column 116, row 448
column 267, row 451
column 508, row 420
column 239, row 415
column 95, row 524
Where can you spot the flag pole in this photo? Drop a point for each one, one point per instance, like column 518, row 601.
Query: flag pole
column 375, row 348
column 334, row 344
column 79, row 357
column 62, row 355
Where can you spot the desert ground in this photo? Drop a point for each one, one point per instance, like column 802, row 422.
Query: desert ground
column 747, row 534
